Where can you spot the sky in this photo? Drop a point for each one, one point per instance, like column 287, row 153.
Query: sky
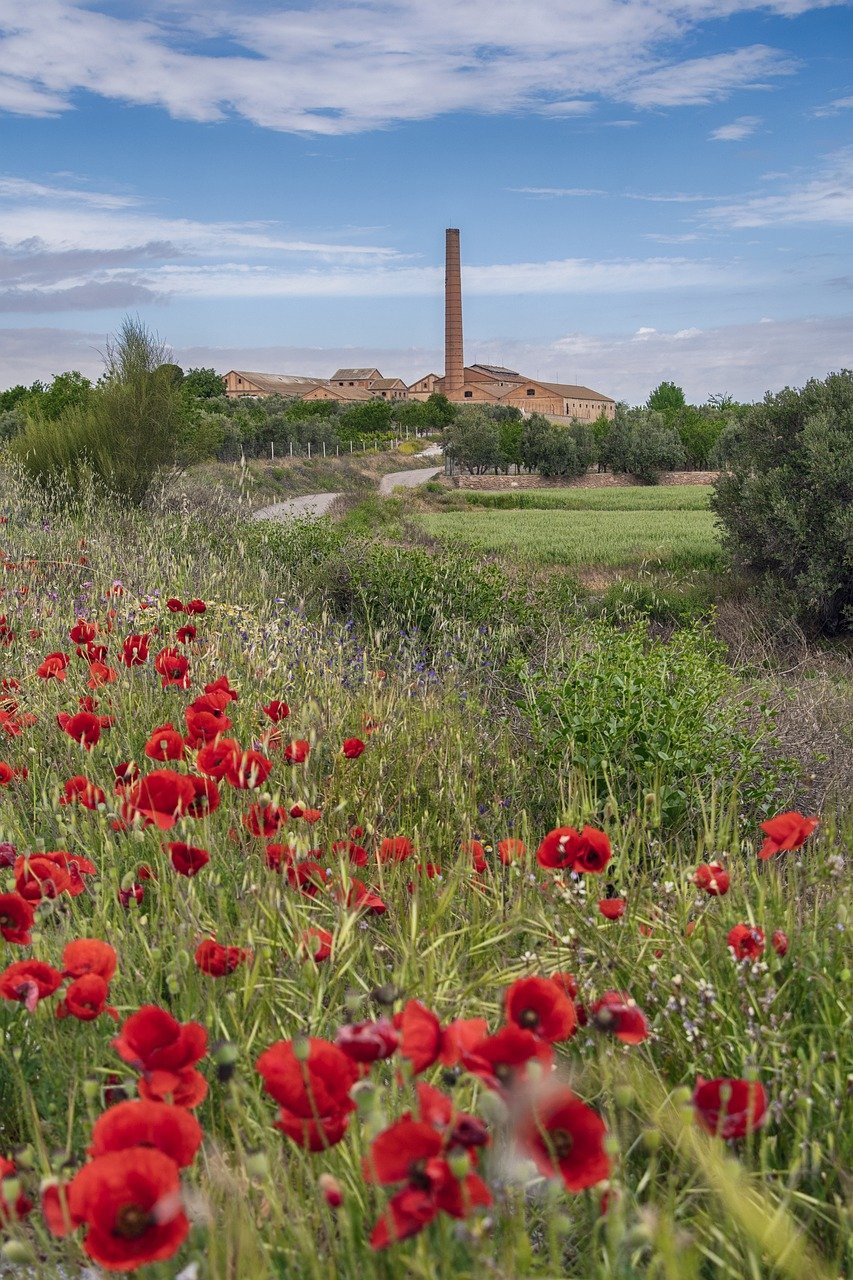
column 646, row 189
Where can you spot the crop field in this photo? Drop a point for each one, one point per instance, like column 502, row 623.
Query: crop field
column 685, row 497
column 361, row 920
column 604, row 531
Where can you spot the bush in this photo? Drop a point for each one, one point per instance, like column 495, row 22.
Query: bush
column 786, row 503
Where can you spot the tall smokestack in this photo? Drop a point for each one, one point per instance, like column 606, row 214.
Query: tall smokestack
column 454, row 376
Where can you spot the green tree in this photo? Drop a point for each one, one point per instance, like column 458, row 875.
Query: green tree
column 367, row 417
column 66, row 389
column 13, row 396
column 786, row 501
column 510, row 436
column 473, row 442
column 203, row 383
column 699, row 430
column 668, row 400
column 441, row 411
column 534, row 439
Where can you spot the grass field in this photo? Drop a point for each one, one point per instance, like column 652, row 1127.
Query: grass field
column 604, row 527
column 685, row 497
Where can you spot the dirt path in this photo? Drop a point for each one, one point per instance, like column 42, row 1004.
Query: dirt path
column 318, row 504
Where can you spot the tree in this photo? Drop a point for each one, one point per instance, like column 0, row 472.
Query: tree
column 786, row 501
column 65, row 389
column 510, row 435
column 441, row 411
column 473, row 442
column 534, row 438
column 204, row 384
column 367, row 417
column 655, row 447
column 667, row 399
column 699, row 431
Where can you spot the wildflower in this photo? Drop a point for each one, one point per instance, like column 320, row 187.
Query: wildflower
column 173, row 667
column 478, row 855
column 83, row 727
column 155, row 1125
column 79, row 790
column 616, row 1013
column 29, row 981
column 89, row 955
column 746, row 941
column 352, row 748
column 195, row 606
column 216, row 960
column 331, row 1189
column 784, row 832
column 368, row 1041
column 355, row 852
column 502, row 1060
column 424, row 1040
column 317, row 943
column 565, row 848
column 297, row 752
column 510, row 850
column 53, row 667
column 205, row 722
column 779, row 942
column 82, row 632
column 134, row 652
column 312, row 1089
column 22, row 1205
column 358, row 897
column 86, row 999
column 165, row 1051
column 174, row 605
column 205, row 797
column 185, row 633
column 713, row 878
column 160, row 798
column 565, row 1139
column 540, row 1006
column 187, row 859
column 729, row 1108
column 218, row 759
column 612, row 908
column 165, row 743
column 16, row 919
column 47, row 875
column 264, row 819
column 100, row 674
column 395, row 849
column 276, row 710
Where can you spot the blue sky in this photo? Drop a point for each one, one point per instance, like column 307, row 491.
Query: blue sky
column 646, row 189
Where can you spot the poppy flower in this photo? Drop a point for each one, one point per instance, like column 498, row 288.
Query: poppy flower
column 297, row 752
column 216, row 960
column 100, row 674
column 424, row 1040
column 746, row 941
column 510, row 850
column 713, row 878
column 130, row 1203
column 276, row 710
column 134, row 652
column 780, row 942
column 22, row 1206
column 395, row 849
column 165, row 743
column 567, row 984
column 785, row 832
column 155, row 1125
column 565, row 1139
column 617, row 1014
column 222, row 686
column 53, row 667
column 89, row 955
column 16, row 919
column 187, row 859
column 264, row 820
column 174, row 605
column 368, row 1041
column 312, row 1087
column 540, row 1006
column 358, row 897
column 279, row 855
column 352, row 748
column 729, row 1108
column 185, row 633
column 160, row 798
column 83, row 727
column 317, row 943
column 331, row 1189
column 411, row 1152
column 173, row 667
column 125, row 773
column 612, row 908
column 218, row 759
column 8, row 773
column 42, row 875
column 477, row 851
column 79, row 790
column 86, row 999
column 306, row 875
column 565, row 848
column 205, row 723
column 355, row 852
column 82, row 632
column 165, row 1052
column 501, row 1060
column 195, row 606
column 205, row 797
column 29, row 981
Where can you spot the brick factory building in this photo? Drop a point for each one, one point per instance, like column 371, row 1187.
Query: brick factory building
column 462, row 384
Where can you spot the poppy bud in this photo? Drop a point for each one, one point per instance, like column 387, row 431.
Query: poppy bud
column 225, row 1056
column 331, row 1189
column 16, row 1251
column 257, row 1165
column 651, row 1139
column 25, row 1157
column 11, row 1189
column 624, row 1095
column 387, row 994
column 301, row 1048
column 460, row 1164
column 91, row 1089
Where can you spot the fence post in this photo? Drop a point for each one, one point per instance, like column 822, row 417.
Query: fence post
column 350, row 446
column 324, row 448
column 309, row 448
column 272, row 451
column 291, row 448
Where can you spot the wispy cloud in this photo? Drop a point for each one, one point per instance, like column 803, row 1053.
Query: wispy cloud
column 743, row 127
column 824, row 197
column 835, row 107
column 555, row 192
column 343, row 66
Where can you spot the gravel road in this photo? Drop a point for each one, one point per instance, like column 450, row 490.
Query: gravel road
column 318, row 504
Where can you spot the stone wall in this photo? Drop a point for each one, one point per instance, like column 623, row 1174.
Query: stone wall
column 592, row 480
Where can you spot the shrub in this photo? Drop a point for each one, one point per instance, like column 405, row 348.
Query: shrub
column 786, row 502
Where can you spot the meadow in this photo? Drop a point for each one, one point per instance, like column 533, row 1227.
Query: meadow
column 385, row 915
column 628, row 526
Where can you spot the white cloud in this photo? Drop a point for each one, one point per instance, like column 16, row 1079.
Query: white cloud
column 342, row 66
column 743, row 127
column 822, row 197
column 833, row 108
column 554, row 192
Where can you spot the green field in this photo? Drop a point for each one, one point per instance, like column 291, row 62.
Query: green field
column 605, row 527
column 677, row 497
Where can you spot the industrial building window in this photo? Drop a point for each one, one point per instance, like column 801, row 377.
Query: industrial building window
column 469, row 395
column 531, row 391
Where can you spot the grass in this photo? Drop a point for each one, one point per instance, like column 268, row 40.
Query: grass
column 447, row 758
column 605, row 535
column 619, row 498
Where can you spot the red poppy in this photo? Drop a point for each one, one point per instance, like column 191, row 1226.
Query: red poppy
column 713, row 878
column 318, row 943
column 130, row 1202
column 8, row 773
column 83, row 727
column 155, row 1125
column 204, row 723
column 279, row 855
column 173, row 667
column 368, row 1041
column 165, row 743
column 510, row 850
column 165, row 1051
column 565, row 1139
column 612, row 908
column 82, row 632
column 538, row 1005
column 306, row 814
column 567, row 984
column 135, row 650
column 160, row 797
column 424, row 1040
column 125, row 773
column 174, row 605
column 264, row 820
column 195, row 606
column 249, row 769
column 297, row 752
column 42, row 875
column 218, row 759
column 216, row 960
column 276, row 710
column 221, row 686
column 395, row 849
column 185, row 633
column 206, row 798
column 746, row 941
column 29, row 981
column 100, row 674
column 311, row 1085
column 89, row 955
column 784, row 832
column 616, row 1013
column 478, row 855
column 356, row 854
column 358, row 897
column 79, row 790
column 780, row 942
column 566, row 848
column 22, row 1206
column 331, row 1189
column 187, row 859
column 16, row 919
column 729, row 1108
column 53, row 666
column 86, row 999
column 501, row 1060
column 306, row 875
column 352, row 748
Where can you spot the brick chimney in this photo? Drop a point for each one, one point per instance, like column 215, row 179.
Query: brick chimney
column 454, row 376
